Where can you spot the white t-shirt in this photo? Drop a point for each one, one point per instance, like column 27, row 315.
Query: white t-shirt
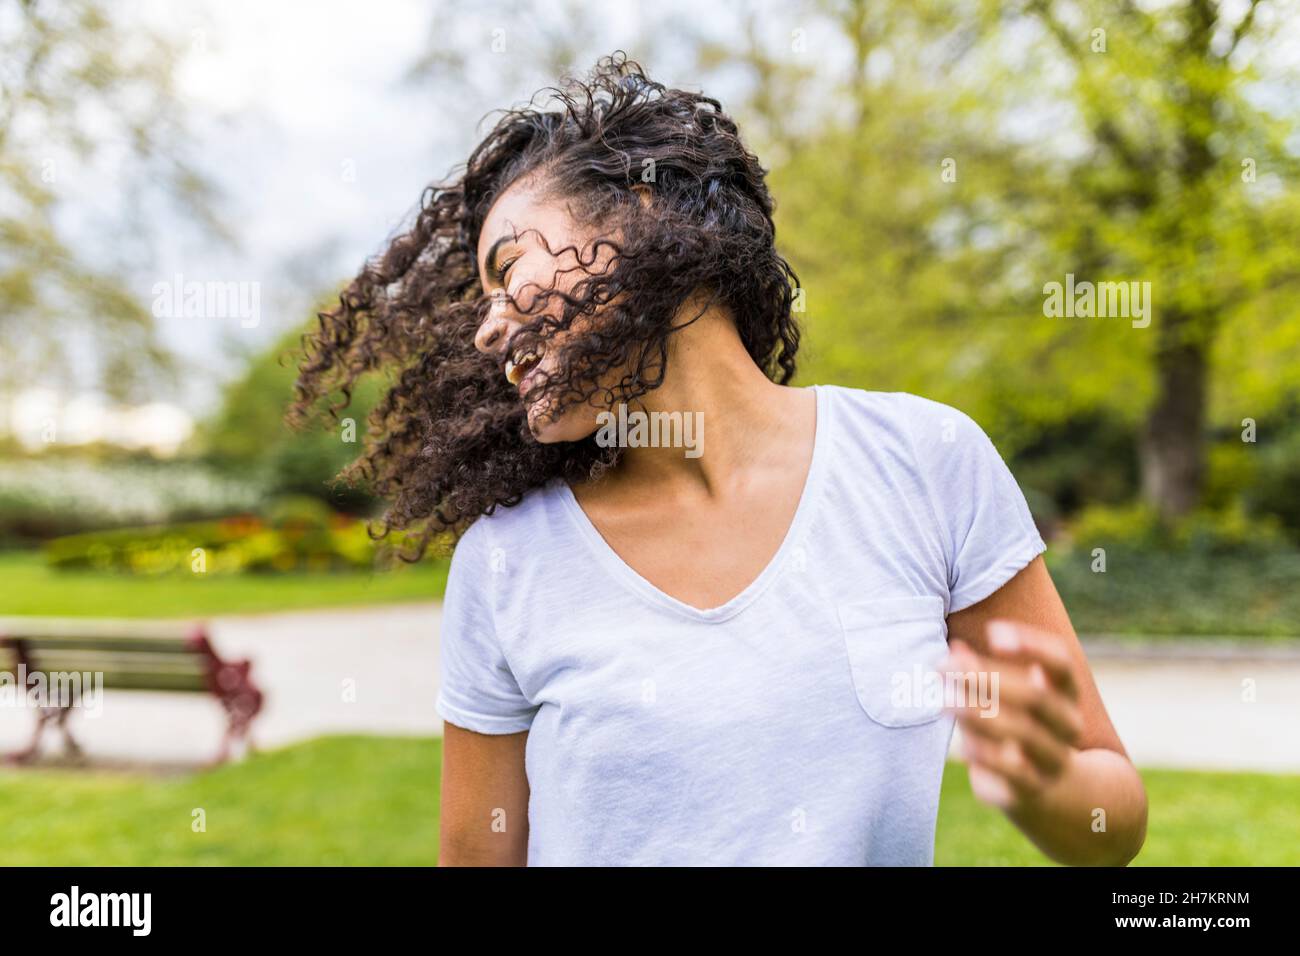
column 768, row 730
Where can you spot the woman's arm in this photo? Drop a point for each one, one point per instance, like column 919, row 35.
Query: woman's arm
column 1049, row 757
column 484, row 819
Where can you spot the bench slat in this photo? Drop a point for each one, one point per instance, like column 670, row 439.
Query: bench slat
column 153, row 645
column 145, row 680
column 76, row 660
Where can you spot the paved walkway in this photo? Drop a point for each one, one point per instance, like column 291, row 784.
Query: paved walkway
column 375, row 670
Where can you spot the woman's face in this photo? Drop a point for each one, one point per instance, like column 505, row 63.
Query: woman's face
column 516, row 264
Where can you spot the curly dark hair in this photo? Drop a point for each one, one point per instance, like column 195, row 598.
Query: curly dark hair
column 449, row 441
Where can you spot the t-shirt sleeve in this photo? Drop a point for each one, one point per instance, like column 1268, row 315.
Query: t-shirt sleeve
column 986, row 530
column 477, row 689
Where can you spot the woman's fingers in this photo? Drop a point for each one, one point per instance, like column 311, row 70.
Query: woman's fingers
column 991, row 787
column 1011, row 640
column 1020, row 734
column 1015, row 686
column 1048, row 753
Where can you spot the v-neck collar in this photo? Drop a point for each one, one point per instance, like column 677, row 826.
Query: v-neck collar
column 808, row 499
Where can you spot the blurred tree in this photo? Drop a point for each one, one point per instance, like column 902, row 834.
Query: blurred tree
column 248, row 437
column 1186, row 182
column 994, row 149
column 78, row 85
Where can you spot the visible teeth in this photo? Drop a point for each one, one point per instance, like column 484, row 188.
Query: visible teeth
column 514, row 370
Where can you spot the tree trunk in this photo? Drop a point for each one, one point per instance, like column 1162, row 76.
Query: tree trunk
column 1172, row 447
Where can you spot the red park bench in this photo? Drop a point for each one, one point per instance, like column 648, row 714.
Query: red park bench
column 131, row 655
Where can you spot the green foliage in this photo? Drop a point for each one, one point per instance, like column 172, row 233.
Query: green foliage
column 1138, row 527
column 1154, row 593
column 301, row 534
column 1081, row 461
column 1213, row 573
column 1230, row 473
column 1130, row 167
column 1231, row 530
column 248, row 434
column 300, row 512
column 1134, row 526
column 1275, row 485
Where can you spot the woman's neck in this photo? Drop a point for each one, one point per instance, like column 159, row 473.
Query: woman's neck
column 736, row 418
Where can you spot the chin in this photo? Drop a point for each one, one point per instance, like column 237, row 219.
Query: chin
column 568, row 427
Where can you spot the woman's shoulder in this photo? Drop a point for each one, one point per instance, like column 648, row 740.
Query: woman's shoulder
column 892, row 408
column 942, row 448
column 534, row 518
column 914, row 422
column 935, row 451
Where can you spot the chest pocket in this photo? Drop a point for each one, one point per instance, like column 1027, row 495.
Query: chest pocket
column 892, row 644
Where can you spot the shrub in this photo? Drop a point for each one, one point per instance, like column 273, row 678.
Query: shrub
column 1276, row 480
column 1138, row 527
column 297, row 534
column 1076, row 463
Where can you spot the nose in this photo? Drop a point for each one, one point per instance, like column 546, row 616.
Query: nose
column 495, row 331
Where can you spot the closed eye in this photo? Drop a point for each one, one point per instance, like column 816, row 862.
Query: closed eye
column 503, row 269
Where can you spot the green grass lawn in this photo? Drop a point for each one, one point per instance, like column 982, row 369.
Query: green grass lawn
column 334, row 800
column 30, row 587
column 357, row 800
column 1196, row 819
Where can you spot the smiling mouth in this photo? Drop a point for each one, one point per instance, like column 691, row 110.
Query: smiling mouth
column 520, row 364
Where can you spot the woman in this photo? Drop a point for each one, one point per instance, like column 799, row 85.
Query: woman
column 711, row 633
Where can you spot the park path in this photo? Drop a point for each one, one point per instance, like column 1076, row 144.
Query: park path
column 375, row 670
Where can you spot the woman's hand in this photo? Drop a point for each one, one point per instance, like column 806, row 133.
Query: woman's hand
column 1047, row 754
column 1020, row 734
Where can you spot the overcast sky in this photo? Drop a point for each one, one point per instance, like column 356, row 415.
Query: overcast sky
column 317, row 146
